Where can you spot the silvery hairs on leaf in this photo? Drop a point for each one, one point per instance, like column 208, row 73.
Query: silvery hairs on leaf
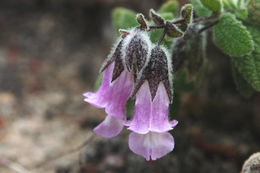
column 115, row 56
column 158, row 69
column 142, row 21
column 172, row 30
column 187, row 13
column 136, row 49
column 157, row 19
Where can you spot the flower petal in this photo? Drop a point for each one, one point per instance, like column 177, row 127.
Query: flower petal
column 141, row 120
column 110, row 127
column 112, row 96
column 151, row 115
column 151, row 145
column 120, row 91
column 99, row 98
column 160, row 108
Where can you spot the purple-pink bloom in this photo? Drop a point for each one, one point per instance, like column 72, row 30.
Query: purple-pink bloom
column 110, row 127
column 112, row 95
column 151, row 123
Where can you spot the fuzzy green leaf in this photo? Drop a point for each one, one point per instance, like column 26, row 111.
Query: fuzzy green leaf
column 229, row 5
column 156, row 18
column 242, row 13
column 187, row 13
column 123, row 18
column 170, row 7
column 232, row 37
column 142, row 21
column 173, row 31
column 199, row 9
column 243, row 87
column 213, row 5
column 249, row 65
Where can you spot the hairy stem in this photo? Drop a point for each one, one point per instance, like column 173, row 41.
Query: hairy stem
column 178, row 21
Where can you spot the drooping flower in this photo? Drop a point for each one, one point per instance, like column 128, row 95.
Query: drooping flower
column 136, row 68
column 150, row 123
column 118, row 80
column 113, row 94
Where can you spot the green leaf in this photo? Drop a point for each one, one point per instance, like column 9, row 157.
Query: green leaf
column 232, row 37
column 229, row 4
column 142, row 21
column 242, row 13
column 156, row 18
column 237, row 7
column 199, row 9
column 187, row 13
column 249, row 65
column 213, row 5
column 123, row 18
column 173, row 31
column 170, row 7
column 243, row 87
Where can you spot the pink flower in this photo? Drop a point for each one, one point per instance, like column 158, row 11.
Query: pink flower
column 150, row 123
column 112, row 95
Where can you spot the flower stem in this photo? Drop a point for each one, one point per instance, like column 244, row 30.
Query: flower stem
column 178, row 21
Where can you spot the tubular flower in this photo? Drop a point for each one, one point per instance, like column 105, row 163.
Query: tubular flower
column 150, row 123
column 113, row 94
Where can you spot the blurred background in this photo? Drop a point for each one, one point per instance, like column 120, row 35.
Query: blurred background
column 51, row 52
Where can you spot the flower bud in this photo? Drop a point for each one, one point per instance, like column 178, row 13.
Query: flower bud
column 115, row 56
column 113, row 93
column 136, row 48
column 150, row 123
